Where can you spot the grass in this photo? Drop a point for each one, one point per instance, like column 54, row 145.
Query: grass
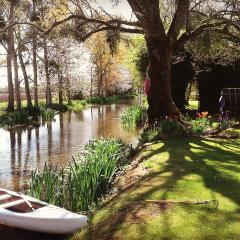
column 193, row 105
column 177, row 169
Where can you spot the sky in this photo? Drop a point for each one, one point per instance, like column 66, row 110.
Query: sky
column 122, row 9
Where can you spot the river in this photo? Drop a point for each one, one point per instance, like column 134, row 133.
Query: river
column 55, row 142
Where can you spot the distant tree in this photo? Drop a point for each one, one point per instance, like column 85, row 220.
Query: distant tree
column 106, row 64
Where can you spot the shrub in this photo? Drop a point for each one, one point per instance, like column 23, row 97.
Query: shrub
column 58, row 107
column 33, row 111
column 15, row 118
column 86, row 179
column 109, row 99
column 48, row 114
column 199, row 125
column 170, row 128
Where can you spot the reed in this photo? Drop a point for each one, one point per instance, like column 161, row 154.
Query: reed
column 134, row 116
column 85, row 180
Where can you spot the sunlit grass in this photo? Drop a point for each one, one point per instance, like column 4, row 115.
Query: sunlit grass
column 178, row 169
column 193, row 105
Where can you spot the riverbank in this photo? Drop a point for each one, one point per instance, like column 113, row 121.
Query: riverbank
column 30, row 116
column 192, row 169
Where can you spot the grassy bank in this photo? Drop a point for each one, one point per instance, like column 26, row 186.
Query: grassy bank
column 85, row 180
column 28, row 116
column 110, row 99
column 31, row 115
column 175, row 169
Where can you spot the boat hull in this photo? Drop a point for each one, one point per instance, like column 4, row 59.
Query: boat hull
column 47, row 219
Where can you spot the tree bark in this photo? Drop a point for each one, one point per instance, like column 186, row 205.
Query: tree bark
column 60, row 88
column 68, row 91
column 25, row 76
column 10, row 107
column 16, row 80
column 46, row 66
column 10, row 46
column 34, row 63
column 160, row 99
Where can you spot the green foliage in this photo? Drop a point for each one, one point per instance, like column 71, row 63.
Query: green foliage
column 210, row 46
column 15, row 118
column 78, row 105
column 58, row 107
column 133, row 117
column 137, row 61
column 166, row 127
column 199, row 125
column 33, row 111
column 109, row 99
column 48, row 114
column 85, row 180
column 226, row 123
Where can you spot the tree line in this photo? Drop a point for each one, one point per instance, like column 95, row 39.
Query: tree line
column 167, row 26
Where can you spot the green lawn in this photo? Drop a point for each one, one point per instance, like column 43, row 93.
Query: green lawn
column 180, row 169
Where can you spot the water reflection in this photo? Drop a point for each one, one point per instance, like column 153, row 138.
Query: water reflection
column 54, row 142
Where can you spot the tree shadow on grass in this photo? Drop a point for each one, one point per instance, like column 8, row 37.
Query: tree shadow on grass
column 217, row 166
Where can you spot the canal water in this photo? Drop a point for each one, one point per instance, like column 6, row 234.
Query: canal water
column 55, row 142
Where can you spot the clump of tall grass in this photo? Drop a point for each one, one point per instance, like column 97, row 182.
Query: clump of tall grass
column 134, row 116
column 85, row 180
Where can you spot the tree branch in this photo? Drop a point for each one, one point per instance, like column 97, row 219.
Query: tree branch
column 196, row 32
column 108, row 23
column 179, row 19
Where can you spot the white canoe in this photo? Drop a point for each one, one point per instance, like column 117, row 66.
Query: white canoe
column 15, row 211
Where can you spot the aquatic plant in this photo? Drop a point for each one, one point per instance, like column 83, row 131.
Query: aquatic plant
column 85, row 180
column 134, row 116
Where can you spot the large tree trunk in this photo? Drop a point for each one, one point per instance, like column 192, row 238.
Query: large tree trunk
column 160, row 95
column 48, row 87
column 16, row 80
column 25, row 77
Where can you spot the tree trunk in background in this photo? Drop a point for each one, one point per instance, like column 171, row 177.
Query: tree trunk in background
column 34, row 63
column 25, row 76
column 16, row 80
column 10, row 46
column 60, row 88
column 69, row 100
column 48, row 87
column 91, row 84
